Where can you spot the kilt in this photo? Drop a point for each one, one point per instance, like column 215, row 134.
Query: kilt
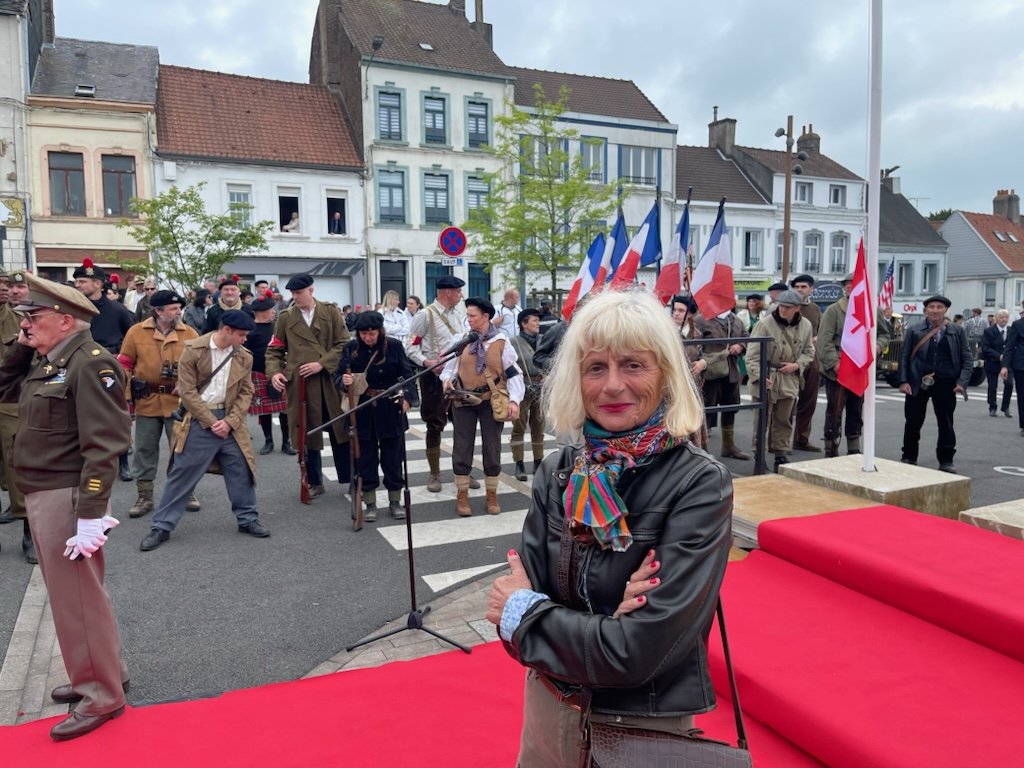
column 265, row 399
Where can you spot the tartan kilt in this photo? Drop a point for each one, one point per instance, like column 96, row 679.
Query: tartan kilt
column 262, row 405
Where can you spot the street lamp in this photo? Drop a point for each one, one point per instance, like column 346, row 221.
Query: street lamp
column 791, row 168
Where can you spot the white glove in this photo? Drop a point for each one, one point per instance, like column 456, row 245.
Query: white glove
column 90, row 537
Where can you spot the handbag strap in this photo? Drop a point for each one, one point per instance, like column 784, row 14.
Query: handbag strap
column 924, row 340
column 741, row 730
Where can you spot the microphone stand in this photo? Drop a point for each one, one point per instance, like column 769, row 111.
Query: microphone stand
column 414, row 620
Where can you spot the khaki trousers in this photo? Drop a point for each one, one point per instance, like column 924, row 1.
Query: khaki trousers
column 82, row 612
column 8, row 426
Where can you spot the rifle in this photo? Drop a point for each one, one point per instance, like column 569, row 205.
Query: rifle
column 300, row 443
column 356, row 486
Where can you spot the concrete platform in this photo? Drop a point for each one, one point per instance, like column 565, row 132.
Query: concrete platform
column 1006, row 518
column 903, row 485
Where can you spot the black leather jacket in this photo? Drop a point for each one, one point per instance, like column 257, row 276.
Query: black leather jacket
column 654, row 660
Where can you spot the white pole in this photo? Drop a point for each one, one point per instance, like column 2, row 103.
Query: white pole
column 874, row 203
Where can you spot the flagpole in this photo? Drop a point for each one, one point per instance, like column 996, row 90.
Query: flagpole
column 874, row 205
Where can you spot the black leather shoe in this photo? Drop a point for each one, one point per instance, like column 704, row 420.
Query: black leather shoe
column 154, row 539
column 286, row 448
column 947, row 467
column 268, row 447
column 1006, row 413
column 905, row 460
column 28, row 547
column 991, row 411
column 7, row 516
column 65, row 694
column 254, row 529
column 75, row 725
column 520, row 471
column 316, row 490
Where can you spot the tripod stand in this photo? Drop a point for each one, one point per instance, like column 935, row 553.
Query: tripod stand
column 414, row 620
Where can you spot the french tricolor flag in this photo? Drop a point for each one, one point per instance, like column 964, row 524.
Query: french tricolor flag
column 644, row 249
column 670, row 279
column 585, row 277
column 614, row 250
column 712, row 285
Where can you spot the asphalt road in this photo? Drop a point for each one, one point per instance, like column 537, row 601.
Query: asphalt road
column 214, row 610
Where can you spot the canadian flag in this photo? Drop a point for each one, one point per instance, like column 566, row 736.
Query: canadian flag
column 856, row 353
column 670, row 279
column 712, row 286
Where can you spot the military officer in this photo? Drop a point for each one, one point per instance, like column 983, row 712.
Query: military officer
column 309, row 338
column 74, row 424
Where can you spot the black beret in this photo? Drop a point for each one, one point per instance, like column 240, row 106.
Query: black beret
column 941, row 299
column 163, row 298
column 369, row 321
column 88, row 269
column 801, row 279
column 482, row 304
column 449, row 281
column 526, row 314
column 265, row 302
column 298, row 282
column 232, row 280
column 777, row 287
column 757, row 296
column 237, row 319
column 686, row 301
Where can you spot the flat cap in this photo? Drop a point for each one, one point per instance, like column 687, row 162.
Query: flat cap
column 777, row 287
column 801, row 279
column 298, row 282
column 89, row 269
column 449, row 281
column 792, row 298
column 938, row 298
column 163, row 298
column 46, row 294
column 237, row 319
column 369, row 321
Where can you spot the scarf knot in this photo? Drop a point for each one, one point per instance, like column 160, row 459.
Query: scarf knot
column 478, row 349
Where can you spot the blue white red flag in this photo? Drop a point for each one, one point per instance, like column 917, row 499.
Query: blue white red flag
column 585, row 277
column 670, row 279
column 614, row 249
column 644, row 249
column 712, row 285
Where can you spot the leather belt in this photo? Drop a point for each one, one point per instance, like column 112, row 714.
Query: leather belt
column 215, row 406
column 573, row 699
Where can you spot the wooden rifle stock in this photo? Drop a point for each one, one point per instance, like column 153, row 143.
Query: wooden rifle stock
column 300, row 443
column 356, row 487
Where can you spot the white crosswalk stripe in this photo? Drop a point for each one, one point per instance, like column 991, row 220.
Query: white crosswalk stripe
column 441, row 532
column 439, row 581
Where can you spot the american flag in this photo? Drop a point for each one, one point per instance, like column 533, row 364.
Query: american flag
column 888, row 287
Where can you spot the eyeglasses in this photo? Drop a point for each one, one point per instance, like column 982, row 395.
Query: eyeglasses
column 32, row 318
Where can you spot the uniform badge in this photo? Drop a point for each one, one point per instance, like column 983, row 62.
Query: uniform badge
column 61, row 377
column 47, row 369
column 107, row 378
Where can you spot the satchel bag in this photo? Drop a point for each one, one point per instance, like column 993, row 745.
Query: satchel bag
column 614, row 747
column 499, row 399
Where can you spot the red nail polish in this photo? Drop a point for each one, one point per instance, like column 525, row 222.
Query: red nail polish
column 654, row 580
column 511, row 552
column 641, row 599
column 655, row 564
column 650, row 553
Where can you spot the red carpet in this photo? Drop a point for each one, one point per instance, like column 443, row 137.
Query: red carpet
column 968, row 580
column 444, row 711
column 859, row 683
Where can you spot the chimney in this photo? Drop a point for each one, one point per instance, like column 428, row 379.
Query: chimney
column 457, row 7
column 809, row 141
column 892, row 183
column 722, row 134
column 1000, row 203
column 485, row 29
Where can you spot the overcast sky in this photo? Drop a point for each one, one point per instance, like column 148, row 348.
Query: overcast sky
column 953, row 88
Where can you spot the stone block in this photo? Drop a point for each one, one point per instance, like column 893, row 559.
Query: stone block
column 1006, row 518
column 902, row 485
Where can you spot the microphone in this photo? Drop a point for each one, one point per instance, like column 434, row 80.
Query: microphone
column 461, row 344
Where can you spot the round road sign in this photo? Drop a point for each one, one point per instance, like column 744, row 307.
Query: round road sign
column 452, row 241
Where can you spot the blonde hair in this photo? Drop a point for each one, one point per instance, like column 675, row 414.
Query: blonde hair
column 390, row 300
column 622, row 322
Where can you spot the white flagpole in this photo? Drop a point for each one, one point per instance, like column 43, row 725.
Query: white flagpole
column 874, row 197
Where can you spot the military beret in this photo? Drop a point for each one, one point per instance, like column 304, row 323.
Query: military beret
column 777, row 287
column 18, row 276
column 369, row 321
column 232, row 280
column 46, row 294
column 938, row 298
column 801, row 279
column 163, row 298
column 449, row 281
column 791, row 298
column 237, row 319
column 90, row 270
column 298, row 282
column 264, row 302
column 757, row 296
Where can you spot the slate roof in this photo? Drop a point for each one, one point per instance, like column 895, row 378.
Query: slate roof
column 13, row 7
column 125, row 73
column 900, row 223
column 816, row 164
column 407, row 23
column 588, row 94
column 213, row 115
column 1009, row 252
column 712, row 177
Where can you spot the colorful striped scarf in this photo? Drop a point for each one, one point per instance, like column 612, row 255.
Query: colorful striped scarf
column 590, row 497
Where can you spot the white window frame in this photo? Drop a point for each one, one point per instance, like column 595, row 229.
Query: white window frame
column 643, row 159
column 243, row 217
column 752, row 248
column 803, row 192
column 837, row 195
column 839, row 250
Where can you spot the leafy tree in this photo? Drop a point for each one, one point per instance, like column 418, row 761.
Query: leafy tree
column 942, row 215
column 186, row 244
column 542, row 206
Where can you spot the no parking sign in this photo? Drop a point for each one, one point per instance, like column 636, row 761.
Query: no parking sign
column 452, row 241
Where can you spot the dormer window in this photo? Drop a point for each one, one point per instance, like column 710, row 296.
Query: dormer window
column 999, row 236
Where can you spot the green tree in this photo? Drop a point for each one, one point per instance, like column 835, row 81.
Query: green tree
column 542, row 205
column 942, row 215
column 187, row 244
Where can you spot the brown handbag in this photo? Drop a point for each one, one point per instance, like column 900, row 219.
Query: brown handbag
column 499, row 399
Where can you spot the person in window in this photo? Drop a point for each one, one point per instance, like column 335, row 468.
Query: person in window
column 336, row 226
column 293, row 224
column 594, row 618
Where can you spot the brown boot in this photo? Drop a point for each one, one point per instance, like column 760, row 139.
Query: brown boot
column 491, row 484
column 144, row 504
column 729, row 449
column 434, row 463
column 462, row 508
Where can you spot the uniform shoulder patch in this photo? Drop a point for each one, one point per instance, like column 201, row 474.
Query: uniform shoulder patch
column 107, row 378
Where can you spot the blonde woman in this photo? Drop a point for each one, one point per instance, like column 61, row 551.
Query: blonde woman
column 396, row 321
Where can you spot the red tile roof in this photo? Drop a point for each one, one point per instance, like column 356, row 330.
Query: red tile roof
column 816, row 164
column 1008, row 252
column 588, row 94
column 231, row 117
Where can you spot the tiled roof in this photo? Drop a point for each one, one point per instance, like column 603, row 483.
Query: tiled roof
column 216, row 115
column 1008, row 252
column 900, row 223
column 125, row 73
column 405, row 24
column 712, row 177
column 816, row 164
column 13, row 7
column 588, row 94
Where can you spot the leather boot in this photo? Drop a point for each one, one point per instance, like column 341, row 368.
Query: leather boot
column 474, row 484
column 434, row 462
column 491, row 483
column 520, row 471
column 369, row 506
column 395, row 505
column 831, row 448
column 286, row 448
column 28, row 547
column 462, row 508
column 268, row 447
column 780, row 459
column 853, row 446
column 123, row 471
column 144, row 504
column 536, row 465
column 729, row 449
